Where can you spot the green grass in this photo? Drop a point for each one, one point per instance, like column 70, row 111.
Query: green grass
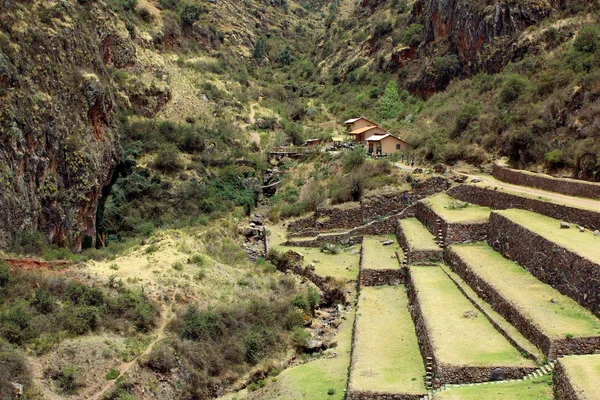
column 455, row 211
column 457, row 328
column 419, row 238
column 378, row 256
column 531, row 297
column 386, row 354
column 343, row 265
column 585, row 244
column 536, row 389
column 583, row 373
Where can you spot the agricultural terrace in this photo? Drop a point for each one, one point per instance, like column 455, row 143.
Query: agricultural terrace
column 378, row 256
column 536, row 389
column 343, row 265
column 419, row 238
column 556, row 319
column 456, row 211
column 386, row 355
column 456, row 327
column 584, row 374
column 583, row 243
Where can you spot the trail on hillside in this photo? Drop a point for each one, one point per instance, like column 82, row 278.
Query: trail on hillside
column 487, row 180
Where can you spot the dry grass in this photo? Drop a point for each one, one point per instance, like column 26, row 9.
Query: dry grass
column 584, row 373
column 386, row 354
column 456, row 327
column 554, row 314
column 378, row 256
column 585, row 244
column 537, row 389
column 453, row 211
column 419, row 238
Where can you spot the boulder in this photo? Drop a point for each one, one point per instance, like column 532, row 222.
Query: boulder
column 388, row 243
column 439, row 168
column 564, row 225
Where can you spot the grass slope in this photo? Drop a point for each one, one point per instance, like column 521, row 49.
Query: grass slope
column 556, row 318
column 538, row 389
column 419, row 238
column 378, row 256
column 450, row 209
column 456, row 327
column 386, row 354
column 585, row 244
column 584, row 374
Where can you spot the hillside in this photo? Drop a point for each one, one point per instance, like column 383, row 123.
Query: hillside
column 166, row 233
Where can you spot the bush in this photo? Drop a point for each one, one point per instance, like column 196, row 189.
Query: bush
column 4, row 274
column 200, row 325
column 588, row 39
column 300, row 337
column 177, row 266
column 467, row 113
column 168, row 158
column 555, row 158
column 162, row 358
column 112, row 374
column 412, row 35
column 190, row 13
column 513, row 87
column 68, row 379
column 446, row 67
column 43, row 302
column 31, row 242
column 301, row 302
column 354, row 159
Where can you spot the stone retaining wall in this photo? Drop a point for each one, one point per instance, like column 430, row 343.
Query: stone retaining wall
column 552, row 348
column 444, row 374
column 502, row 201
column 564, row 270
column 367, row 395
column 570, row 187
column 563, row 390
column 343, row 239
column 451, row 232
column 381, row 277
column 417, row 257
column 371, row 208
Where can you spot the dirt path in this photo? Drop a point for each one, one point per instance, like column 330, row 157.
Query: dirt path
column 487, row 180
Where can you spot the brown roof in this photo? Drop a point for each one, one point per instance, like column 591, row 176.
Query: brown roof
column 378, row 138
column 365, row 129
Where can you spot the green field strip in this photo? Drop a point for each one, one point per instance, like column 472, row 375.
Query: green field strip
column 555, row 315
column 418, row 237
column 584, row 374
column 344, row 265
column 584, row 244
column 378, row 256
column 534, row 389
column 506, row 326
column 460, row 334
column 386, row 356
column 456, row 211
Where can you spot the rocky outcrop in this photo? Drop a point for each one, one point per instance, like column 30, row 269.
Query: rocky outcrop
column 59, row 143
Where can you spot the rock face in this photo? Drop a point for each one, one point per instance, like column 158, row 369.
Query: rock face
column 59, row 143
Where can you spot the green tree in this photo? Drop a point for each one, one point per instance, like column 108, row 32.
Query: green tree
column 390, row 104
column 588, row 39
column 285, row 57
column 412, row 35
column 260, row 48
column 446, row 68
column 190, row 13
column 512, row 88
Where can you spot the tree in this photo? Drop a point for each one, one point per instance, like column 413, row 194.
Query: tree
column 190, row 13
column 512, row 88
column 446, row 68
column 390, row 104
column 412, row 35
column 588, row 39
column 285, row 57
column 260, row 48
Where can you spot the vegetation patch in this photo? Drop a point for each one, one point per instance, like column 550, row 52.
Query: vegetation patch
column 419, row 238
column 456, row 211
column 535, row 389
column 386, row 355
column 456, row 327
column 556, row 315
column 343, row 265
column 377, row 256
column 583, row 243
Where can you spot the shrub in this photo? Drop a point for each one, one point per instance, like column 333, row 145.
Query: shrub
column 168, row 158
column 412, row 35
column 199, row 325
column 260, row 48
column 68, row 379
column 467, row 113
column 177, row 266
column 314, row 196
column 555, row 158
column 446, row 67
column 4, row 274
column 112, row 374
column 162, row 358
column 197, row 259
column 43, row 302
column 513, row 87
column 354, row 159
column 81, row 319
column 31, row 242
column 300, row 337
column 588, row 39
column 301, row 302
column 190, row 13
column 314, row 299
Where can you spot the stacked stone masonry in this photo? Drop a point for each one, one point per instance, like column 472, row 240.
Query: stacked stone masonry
column 366, row 395
column 551, row 348
column 569, row 187
column 451, row 374
column 564, row 270
column 417, row 257
column 451, row 232
column 502, row 201
column 370, row 209
column 381, row 277
column 563, row 390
